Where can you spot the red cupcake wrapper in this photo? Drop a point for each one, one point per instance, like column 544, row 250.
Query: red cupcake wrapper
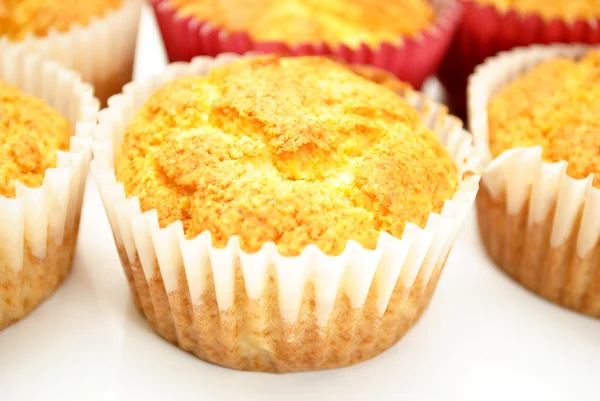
column 484, row 31
column 412, row 61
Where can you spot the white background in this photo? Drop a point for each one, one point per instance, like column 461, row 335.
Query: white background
column 483, row 338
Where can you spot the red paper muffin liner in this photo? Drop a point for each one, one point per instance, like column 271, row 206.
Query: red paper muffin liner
column 484, row 31
column 413, row 60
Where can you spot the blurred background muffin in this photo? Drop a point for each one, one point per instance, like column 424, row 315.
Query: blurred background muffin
column 407, row 37
column 349, row 22
column 45, row 149
column 539, row 206
column 95, row 37
column 490, row 26
column 300, row 182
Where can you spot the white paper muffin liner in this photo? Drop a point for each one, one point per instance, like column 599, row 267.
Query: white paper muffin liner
column 102, row 51
column 39, row 227
column 264, row 311
column 539, row 224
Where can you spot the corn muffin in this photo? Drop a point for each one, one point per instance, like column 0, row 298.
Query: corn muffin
column 350, row 22
column 78, row 34
column 295, row 151
column 38, row 17
column 277, row 214
column 549, row 9
column 539, row 210
column 31, row 134
column 43, row 165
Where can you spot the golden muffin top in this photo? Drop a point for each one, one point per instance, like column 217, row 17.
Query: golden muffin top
column 555, row 105
column 351, row 22
column 290, row 150
column 20, row 17
column 30, row 134
column 550, row 9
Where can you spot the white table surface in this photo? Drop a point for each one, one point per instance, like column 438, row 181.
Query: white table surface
column 483, row 338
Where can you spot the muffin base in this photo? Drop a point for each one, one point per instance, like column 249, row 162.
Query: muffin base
column 252, row 335
column 108, row 85
column 524, row 253
column 24, row 290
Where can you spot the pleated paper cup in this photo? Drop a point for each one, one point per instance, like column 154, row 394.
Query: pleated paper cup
column 102, row 51
column 410, row 59
column 486, row 30
column 264, row 311
column 38, row 229
column 540, row 225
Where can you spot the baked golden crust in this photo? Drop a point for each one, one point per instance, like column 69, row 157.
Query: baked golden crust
column 549, row 9
column 380, row 76
column 290, row 150
column 555, row 105
column 30, row 134
column 308, row 21
column 20, row 17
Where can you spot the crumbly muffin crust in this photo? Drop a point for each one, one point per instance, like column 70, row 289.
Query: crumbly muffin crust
column 309, row 21
column 290, row 150
column 554, row 105
column 20, row 17
column 30, row 134
column 549, row 9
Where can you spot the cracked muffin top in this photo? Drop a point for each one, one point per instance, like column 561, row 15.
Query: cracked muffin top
column 38, row 17
column 554, row 105
column 296, row 151
column 550, row 9
column 30, row 134
column 351, row 22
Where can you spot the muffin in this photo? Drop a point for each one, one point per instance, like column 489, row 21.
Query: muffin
column 535, row 110
column 349, row 22
column 491, row 26
column 281, row 214
column 45, row 149
column 356, row 31
column 77, row 34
